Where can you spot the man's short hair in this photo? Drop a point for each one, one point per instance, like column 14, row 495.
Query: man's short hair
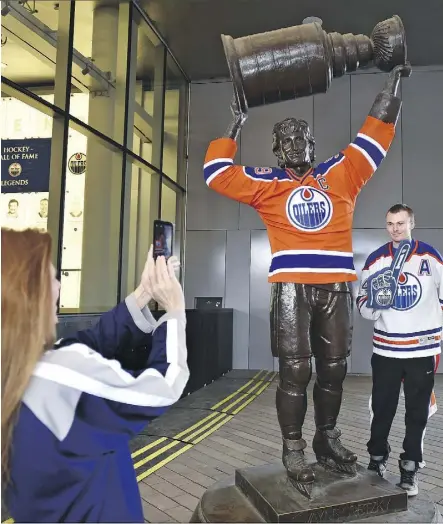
column 401, row 207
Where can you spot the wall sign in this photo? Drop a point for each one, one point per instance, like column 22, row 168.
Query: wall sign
column 25, row 165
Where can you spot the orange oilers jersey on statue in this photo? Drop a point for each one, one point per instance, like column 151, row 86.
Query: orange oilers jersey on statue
column 308, row 219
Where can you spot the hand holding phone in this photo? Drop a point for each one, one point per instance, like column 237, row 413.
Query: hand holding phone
column 159, row 282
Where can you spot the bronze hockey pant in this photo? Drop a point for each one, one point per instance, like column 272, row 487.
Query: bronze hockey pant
column 306, row 321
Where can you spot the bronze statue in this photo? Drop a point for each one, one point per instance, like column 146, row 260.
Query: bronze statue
column 308, row 213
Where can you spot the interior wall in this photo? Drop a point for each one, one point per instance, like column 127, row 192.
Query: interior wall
column 227, row 251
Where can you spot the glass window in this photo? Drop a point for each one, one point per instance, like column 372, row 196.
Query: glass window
column 25, row 165
column 169, row 204
column 91, row 225
column 146, row 104
column 172, row 210
column 77, row 177
column 141, row 209
column 174, row 138
column 99, row 65
column 28, row 54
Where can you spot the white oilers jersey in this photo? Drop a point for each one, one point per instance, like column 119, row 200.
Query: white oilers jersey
column 412, row 326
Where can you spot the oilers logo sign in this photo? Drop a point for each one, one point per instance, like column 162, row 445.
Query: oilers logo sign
column 77, row 164
column 409, row 292
column 15, row 169
column 309, row 209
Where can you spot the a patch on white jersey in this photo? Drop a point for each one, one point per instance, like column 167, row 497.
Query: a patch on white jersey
column 309, row 209
column 425, row 268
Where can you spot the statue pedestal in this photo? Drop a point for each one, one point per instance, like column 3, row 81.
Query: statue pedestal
column 265, row 494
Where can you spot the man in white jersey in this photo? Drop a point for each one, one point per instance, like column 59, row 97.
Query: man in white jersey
column 402, row 292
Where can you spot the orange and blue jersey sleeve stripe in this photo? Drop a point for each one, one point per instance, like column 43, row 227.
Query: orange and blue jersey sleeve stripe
column 219, row 156
column 215, row 167
column 223, row 176
column 244, row 184
column 367, row 151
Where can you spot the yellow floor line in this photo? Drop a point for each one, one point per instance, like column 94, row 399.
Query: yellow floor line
column 165, row 461
column 218, row 426
column 265, row 385
column 250, row 399
column 199, row 423
column 156, row 453
column 227, row 408
column 214, row 415
column 214, row 421
column 159, row 465
column 207, row 425
column 149, row 446
column 215, row 424
column 255, row 377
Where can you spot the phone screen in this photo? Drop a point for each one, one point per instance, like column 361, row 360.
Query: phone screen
column 162, row 239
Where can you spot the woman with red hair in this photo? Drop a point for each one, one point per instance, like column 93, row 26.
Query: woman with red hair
column 69, row 409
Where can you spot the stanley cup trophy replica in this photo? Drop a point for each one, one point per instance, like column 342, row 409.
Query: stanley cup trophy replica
column 268, row 68
column 302, row 60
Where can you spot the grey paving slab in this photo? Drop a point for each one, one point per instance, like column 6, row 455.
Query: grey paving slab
column 155, row 498
column 194, row 489
column 192, row 464
column 180, row 513
column 152, row 514
column 188, row 501
column 169, row 490
column 197, row 477
column 172, row 477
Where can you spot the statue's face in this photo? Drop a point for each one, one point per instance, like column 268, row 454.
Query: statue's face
column 293, row 146
column 295, row 149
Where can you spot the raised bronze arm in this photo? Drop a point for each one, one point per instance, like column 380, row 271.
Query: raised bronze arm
column 387, row 105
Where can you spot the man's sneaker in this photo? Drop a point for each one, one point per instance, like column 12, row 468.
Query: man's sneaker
column 378, row 463
column 408, row 476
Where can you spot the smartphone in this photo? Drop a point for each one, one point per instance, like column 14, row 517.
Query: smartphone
column 163, row 234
